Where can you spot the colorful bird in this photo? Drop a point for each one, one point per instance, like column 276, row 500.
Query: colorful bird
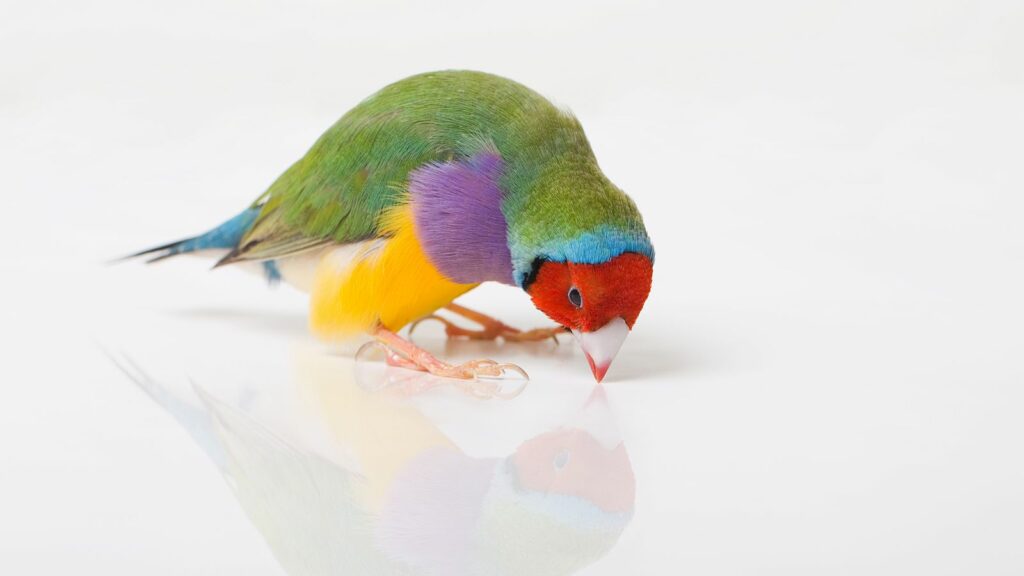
column 430, row 187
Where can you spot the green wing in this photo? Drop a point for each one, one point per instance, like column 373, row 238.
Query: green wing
column 337, row 192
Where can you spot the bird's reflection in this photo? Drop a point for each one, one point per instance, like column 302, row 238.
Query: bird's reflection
column 388, row 492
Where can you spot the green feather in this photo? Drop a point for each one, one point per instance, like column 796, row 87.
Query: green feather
column 358, row 169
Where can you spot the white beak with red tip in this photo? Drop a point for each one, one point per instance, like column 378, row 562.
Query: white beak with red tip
column 602, row 345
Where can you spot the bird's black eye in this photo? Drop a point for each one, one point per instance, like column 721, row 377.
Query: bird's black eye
column 575, row 297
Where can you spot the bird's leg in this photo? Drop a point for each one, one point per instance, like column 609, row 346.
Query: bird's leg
column 405, row 354
column 495, row 326
column 492, row 328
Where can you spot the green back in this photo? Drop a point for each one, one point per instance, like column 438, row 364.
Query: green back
column 359, row 167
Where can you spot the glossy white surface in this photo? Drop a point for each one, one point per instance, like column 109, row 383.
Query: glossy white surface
column 827, row 378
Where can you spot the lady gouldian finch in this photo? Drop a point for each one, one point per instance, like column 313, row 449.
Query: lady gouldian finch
column 430, row 187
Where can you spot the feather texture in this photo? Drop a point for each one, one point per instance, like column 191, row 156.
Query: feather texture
column 225, row 236
column 388, row 282
column 553, row 191
column 457, row 212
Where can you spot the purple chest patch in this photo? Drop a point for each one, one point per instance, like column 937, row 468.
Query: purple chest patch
column 457, row 211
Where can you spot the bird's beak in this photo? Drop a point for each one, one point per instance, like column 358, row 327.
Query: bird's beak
column 602, row 345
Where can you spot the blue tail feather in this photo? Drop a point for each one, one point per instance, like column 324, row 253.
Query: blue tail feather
column 226, row 236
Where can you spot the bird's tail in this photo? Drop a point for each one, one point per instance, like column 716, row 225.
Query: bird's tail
column 226, row 236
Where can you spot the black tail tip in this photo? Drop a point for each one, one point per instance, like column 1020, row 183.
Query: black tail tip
column 157, row 253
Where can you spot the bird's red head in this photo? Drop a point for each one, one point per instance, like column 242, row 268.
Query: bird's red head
column 598, row 302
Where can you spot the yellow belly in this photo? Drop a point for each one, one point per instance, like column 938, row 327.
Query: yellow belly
column 388, row 282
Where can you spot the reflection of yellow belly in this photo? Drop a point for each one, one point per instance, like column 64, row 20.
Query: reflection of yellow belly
column 388, row 282
column 380, row 434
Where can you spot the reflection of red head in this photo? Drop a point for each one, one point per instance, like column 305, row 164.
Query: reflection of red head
column 577, row 462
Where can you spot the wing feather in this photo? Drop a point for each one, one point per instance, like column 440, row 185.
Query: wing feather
column 358, row 170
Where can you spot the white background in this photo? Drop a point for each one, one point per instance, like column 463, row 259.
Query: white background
column 827, row 378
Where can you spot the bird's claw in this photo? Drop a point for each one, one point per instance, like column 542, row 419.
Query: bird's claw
column 485, row 379
column 479, row 378
column 476, row 369
column 496, row 370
